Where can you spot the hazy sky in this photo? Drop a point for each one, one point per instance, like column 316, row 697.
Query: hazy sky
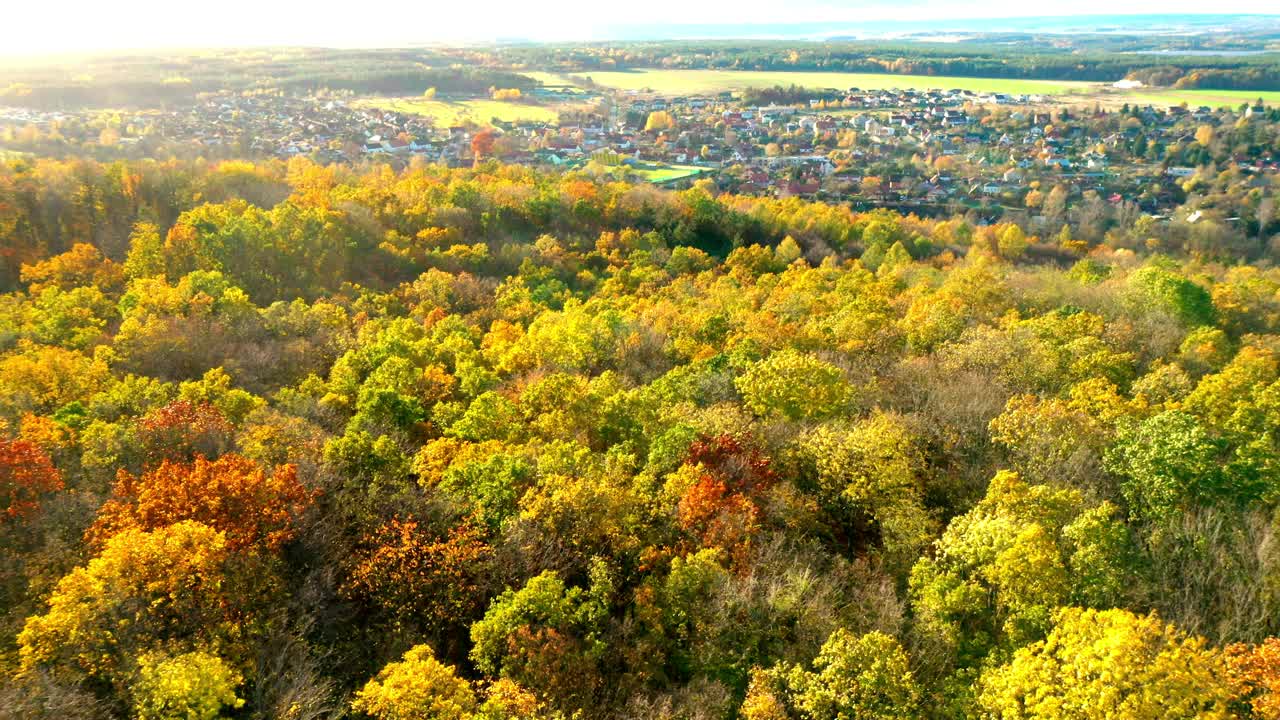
column 49, row 26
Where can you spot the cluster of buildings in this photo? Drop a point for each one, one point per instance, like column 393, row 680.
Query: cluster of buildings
column 943, row 149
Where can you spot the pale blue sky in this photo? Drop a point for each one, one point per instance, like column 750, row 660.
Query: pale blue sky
column 48, row 26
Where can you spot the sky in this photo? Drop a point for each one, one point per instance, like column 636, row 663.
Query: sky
column 61, row 26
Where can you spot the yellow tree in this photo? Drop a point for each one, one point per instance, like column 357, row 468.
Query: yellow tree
column 873, row 470
column 658, row 121
column 794, row 385
column 1109, row 664
column 419, row 687
column 145, row 589
column 193, row 686
column 999, row 571
column 854, row 676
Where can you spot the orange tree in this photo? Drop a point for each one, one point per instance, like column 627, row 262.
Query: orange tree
column 26, row 473
column 256, row 509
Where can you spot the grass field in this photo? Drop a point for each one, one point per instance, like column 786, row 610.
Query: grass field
column 706, row 81
column 449, row 112
column 1194, row 98
column 676, row 82
column 661, row 174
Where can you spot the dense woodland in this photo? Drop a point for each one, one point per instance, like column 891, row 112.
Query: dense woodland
column 292, row 441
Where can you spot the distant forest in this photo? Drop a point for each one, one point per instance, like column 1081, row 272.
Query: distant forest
column 151, row 81
column 1005, row 56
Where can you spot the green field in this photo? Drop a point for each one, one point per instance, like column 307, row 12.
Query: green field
column 1195, row 98
column 450, row 112
column 661, row 174
column 675, row 82
column 657, row 173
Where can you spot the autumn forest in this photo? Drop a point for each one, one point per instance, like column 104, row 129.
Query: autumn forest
column 285, row 440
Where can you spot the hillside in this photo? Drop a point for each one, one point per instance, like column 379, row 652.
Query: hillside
column 287, row 440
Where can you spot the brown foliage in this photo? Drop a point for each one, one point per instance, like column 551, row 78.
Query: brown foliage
column 554, row 663
column 411, row 574
column 182, row 430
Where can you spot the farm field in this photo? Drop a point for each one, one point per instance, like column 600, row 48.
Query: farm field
column 707, row 81
column 1194, row 98
column 450, row 112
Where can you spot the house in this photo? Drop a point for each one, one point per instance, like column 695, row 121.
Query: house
column 800, row 187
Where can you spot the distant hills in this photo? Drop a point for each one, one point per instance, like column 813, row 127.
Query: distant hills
column 951, row 29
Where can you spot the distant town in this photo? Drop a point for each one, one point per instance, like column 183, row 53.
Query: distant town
column 924, row 151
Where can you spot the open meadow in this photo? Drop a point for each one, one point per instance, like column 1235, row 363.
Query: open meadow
column 676, row 82
column 1194, row 98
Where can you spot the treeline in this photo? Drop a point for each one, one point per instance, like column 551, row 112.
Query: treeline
column 1045, row 60
column 790, row 95
column 1251, row 78
column 48, row 206
column 287, row 441
column 155, row 81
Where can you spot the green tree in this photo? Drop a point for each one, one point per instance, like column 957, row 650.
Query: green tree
column 1170, row 462
column 547, row 636
column 866, row 677
column 999, row 571
column 1154, row 286
column 795, row 386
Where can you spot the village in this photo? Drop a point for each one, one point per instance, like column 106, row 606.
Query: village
column 923, row 151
